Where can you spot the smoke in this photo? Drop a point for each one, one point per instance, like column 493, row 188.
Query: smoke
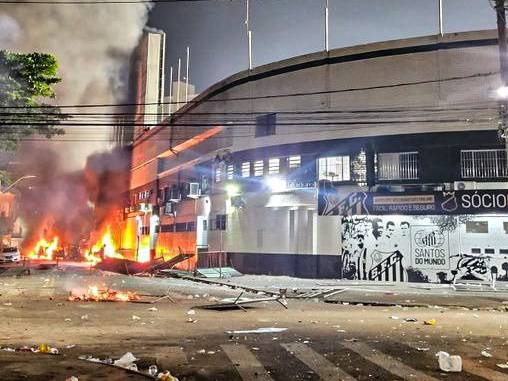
column 71, row 204
column 93, row 44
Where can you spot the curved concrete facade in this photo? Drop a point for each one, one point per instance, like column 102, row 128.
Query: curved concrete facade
column 431, row 95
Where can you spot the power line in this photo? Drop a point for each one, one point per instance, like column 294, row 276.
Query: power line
column 86, row 2
column 273, row 96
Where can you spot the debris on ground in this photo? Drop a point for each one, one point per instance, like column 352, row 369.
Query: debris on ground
column 259, row 330
column 422, row 349
column 72, row 378
column 41, row 348
column 127, row 362
column 238, row 302
column 95, row 294
column 486, row 354
column 430, row 322
column 449, row 363
column 503, row 366
column 410, row 320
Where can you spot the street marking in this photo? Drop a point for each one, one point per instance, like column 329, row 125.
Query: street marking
column 319, row 364
column 478, row 370
column 247, row 365
column 387, row 362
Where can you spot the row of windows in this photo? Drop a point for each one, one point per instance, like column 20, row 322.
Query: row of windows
column 257, row 168
column 388, row 166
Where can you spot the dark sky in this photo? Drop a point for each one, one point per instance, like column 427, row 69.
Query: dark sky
column 215, row 29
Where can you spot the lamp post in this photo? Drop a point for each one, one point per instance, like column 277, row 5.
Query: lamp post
column 15, row 182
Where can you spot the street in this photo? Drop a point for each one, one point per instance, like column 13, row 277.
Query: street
column 323, row 341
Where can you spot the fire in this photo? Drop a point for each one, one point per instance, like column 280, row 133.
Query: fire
column 96, row 294
column 44, row 249
column 105, row 247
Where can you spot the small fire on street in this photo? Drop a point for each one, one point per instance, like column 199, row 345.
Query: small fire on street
column 96, row 294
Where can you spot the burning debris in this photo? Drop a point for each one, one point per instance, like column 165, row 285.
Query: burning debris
column 95, row 294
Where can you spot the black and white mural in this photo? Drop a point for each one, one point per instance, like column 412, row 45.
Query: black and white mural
column 424, row 248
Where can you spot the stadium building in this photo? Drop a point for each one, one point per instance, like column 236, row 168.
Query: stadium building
column 373, row 162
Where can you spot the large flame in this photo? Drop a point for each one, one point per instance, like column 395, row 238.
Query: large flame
column 44, row 249
column 105, row 247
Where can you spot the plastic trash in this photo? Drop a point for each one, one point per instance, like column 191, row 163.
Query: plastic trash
column 449, row 363
column 430, row 322
column 152, row 370
column 486, row 354
column 72, row 378
column 503, row 366
column 126, row 361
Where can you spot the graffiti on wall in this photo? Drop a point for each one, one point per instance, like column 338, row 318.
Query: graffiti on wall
column 405, row 248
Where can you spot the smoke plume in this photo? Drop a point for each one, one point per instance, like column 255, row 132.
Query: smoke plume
column 93, row 44
column 71, row 204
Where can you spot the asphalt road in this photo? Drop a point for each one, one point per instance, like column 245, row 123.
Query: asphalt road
column 322, row 341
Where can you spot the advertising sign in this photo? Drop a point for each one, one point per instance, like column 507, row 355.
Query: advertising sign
column 421, row 203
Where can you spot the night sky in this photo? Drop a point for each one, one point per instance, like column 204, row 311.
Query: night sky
column 215, row 29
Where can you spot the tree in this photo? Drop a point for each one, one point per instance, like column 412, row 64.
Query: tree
column 24, row 80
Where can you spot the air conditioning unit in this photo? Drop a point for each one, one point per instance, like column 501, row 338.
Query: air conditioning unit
column 194, row 190
column 464, row 185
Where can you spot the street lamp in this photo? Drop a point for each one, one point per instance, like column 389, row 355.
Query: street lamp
column 17, row 181
column 502, row 92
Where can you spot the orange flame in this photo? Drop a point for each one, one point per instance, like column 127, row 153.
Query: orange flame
column 44, row 249
column 105, row 247
column 95, row 294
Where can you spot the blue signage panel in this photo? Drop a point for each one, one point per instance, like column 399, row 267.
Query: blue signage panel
column 411, row 203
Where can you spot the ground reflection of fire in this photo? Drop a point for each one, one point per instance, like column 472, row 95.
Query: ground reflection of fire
column 95, row 294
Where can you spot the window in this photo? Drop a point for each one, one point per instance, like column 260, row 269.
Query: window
column 503, row 251
column 490, row 251
column 505, row 227
column 273, row 166
column 294, row 162
column 230, row 171
column 489, row 163
column 265, row 125
column 335, row 168
column 258, row 168
column 476, row 250
column 220, row 222
column 397, row 166
column 218, row 174
column 477, row 227
column 246, row 169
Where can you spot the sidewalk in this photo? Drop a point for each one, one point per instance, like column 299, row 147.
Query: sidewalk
column 472, row 295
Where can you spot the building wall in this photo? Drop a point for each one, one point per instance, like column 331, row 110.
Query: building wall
column 414, row 94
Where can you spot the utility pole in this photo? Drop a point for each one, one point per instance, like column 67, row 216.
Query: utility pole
column 440, row 13
column 503, row 65
column 249, row 33
column 327, row 25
